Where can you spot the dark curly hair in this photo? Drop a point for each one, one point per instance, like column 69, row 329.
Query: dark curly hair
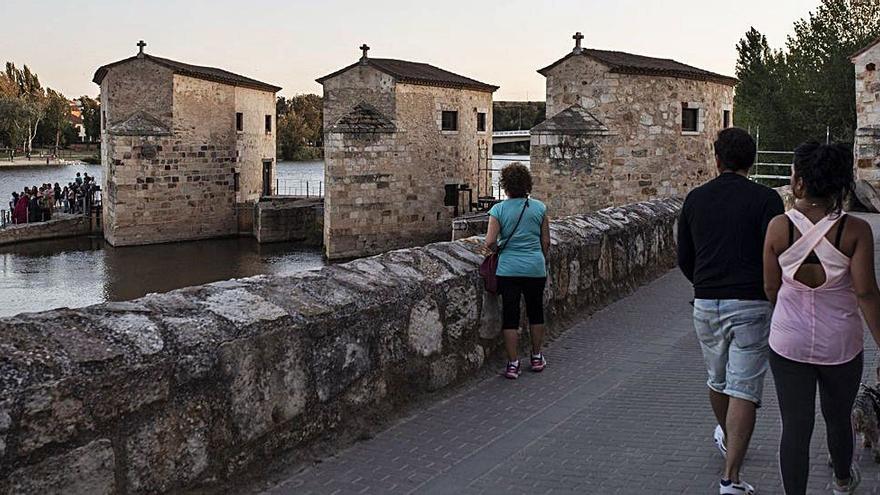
column 516, row 180
column 827, row 172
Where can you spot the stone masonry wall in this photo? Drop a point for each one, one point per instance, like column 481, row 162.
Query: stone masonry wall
column 61, row 225
column 191, row 387
column 867, row 143
column 289, row 219
column 371, row 202
column 159, row 190
column 253, row 143
column 646, row 155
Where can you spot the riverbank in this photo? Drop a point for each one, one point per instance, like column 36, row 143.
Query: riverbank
column 39, row 162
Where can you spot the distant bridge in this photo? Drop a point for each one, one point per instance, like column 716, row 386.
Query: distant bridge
column 499, row 137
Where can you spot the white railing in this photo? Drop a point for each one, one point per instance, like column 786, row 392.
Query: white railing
column 768, row 170
column 299, row 188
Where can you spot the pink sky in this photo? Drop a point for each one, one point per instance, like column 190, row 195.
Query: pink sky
column 290, row 43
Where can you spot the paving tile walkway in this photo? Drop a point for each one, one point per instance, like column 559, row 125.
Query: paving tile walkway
column 621, row 409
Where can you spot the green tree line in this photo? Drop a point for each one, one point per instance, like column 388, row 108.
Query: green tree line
column 300, row 127
column 31, row 115
column 796, row 93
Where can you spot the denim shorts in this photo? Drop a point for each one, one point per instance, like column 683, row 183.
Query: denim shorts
column 733, row 336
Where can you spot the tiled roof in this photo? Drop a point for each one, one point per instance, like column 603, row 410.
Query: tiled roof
column 628, row 63
column 364, row 118
column 573, row 120
column 196, row 71
column 417, row 73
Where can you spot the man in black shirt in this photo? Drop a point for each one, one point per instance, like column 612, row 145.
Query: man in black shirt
column 720, row 247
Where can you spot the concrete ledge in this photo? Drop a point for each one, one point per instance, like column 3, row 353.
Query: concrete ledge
column 61, row 225
column 280, row 219
column 191, row 387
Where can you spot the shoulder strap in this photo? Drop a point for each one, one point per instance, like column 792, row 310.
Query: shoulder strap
column 518, row 220
column 839, row 236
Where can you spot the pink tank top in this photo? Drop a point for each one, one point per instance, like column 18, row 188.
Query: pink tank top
column 822, row 325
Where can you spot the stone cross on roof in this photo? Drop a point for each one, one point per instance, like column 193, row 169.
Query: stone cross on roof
column 141, row 45
column 365, row 49
column 577, row 42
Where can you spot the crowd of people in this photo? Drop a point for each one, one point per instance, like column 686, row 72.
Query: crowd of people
column 774, row 290
column 37, row 204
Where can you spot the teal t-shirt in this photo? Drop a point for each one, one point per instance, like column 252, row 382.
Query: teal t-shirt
column 521, row 255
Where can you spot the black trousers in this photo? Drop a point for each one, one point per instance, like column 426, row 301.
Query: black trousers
column 796, row 390
column 512, row 289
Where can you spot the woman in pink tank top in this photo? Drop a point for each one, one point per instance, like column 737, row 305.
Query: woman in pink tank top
column 818, row 272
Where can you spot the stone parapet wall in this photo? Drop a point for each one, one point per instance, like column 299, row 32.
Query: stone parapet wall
column 194, row 386
column 290, row 219
column 61, row 225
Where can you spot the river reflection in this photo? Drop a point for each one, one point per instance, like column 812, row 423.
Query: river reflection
column 85, row 270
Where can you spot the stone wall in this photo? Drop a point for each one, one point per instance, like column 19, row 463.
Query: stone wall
column 194, row 386
column 646, row 155
column 253, row 143
column 289, row 219
column 61, row 225
column 867, row 140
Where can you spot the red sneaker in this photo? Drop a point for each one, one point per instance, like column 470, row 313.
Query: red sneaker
column 538, row 363
column 512, row 371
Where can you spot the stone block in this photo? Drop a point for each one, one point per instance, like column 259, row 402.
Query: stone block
column 87, row 470
column 266, row 379
column 425, row 330
column 170, row 451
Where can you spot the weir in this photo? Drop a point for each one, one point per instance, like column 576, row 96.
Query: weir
column 192, row 387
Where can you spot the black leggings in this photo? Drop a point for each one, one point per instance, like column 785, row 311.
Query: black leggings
column 796, row 390
column 531, row 289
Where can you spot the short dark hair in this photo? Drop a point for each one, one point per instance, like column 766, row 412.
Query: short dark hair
column 827, row 172
column 516, row 180
column 735, row 149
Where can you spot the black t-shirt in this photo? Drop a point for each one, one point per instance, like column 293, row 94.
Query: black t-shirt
column 721, row 237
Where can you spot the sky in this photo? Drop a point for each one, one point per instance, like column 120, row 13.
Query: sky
column 290, row 43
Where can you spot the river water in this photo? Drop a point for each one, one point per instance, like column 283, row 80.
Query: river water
column 86, row 270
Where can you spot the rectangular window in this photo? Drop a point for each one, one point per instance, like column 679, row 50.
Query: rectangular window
column 449, row 121
column 481, row 122
column 239, row 121
column 268, row 124
column 725, row 119
column 689, row 119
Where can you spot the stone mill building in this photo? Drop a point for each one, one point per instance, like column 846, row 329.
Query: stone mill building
column 623, row 128
column 186, row 149
column 867, row 143
column 403, row 148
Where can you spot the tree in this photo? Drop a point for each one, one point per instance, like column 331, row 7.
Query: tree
column 796, row 93
column 300, row 126
column 91, row 115
column 57, row 115
column 32, row 99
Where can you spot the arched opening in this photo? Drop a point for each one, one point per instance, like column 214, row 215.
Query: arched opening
column 871, row 67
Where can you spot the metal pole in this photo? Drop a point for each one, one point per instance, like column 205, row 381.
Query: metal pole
column 307, row 189
column 827, row 134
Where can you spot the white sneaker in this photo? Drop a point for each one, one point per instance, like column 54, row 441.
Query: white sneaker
column 719, row 441
column 741, row 488
column 855, row 477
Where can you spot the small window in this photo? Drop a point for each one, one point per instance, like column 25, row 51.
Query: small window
column 239, row 121
column 268, row 124
column 481, row 122
column 725, row 118
column 103, row 119
column 236, row 181
column 871, row 67
column 690, row 119
column 449, row 121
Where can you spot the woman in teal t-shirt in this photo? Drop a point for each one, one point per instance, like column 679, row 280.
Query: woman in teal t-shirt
column 519, row 225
